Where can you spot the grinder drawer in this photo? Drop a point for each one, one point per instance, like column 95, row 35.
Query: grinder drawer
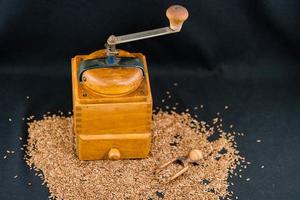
column 113, row 146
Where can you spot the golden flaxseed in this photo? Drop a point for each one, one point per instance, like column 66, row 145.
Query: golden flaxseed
column 50, row 150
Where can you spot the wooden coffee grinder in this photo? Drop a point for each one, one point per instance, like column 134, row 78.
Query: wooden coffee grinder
column 112, row 100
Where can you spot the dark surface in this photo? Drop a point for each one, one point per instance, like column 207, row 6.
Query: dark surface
column 244, row 54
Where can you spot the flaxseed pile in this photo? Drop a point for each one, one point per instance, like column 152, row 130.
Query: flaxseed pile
column 50, row 151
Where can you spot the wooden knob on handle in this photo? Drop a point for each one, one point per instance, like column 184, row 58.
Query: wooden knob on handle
column 177, row 15
column 114, row 154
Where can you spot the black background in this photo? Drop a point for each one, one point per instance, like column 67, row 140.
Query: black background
column 240, row 53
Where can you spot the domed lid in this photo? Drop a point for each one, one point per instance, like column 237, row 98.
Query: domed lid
column 114, row 80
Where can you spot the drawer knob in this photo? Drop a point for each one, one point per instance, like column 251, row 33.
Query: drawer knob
column 114, row 154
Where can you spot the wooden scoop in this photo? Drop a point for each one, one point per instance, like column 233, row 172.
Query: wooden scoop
column 194, row 155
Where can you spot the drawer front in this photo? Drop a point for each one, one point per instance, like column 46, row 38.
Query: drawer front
column 121, row 146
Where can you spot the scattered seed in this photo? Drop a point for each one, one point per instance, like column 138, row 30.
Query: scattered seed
column 258, row 141
column 262, row 166
column 215, row 120
column 4, row 157
column 16, row 176
column 9, row 119
column 226, row 107
column 247, row 179
column 27, row 97
column 133, row 179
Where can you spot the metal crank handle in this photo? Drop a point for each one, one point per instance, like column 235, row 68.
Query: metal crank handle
column 176, row 14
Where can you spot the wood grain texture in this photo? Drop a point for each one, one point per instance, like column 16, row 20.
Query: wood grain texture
column 113, row 81
column 102, row 123
column 85, row 95
column 114, row 118
column 94, row 147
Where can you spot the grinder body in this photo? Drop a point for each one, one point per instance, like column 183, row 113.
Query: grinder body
column 112, row 108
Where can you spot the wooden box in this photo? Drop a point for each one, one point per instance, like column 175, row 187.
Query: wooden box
column 111, row 126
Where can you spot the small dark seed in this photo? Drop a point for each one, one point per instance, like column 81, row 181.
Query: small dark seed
column 223, row 151
column 173, row 144
column 205, row 182
column 179, row 162
column 160, row 194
